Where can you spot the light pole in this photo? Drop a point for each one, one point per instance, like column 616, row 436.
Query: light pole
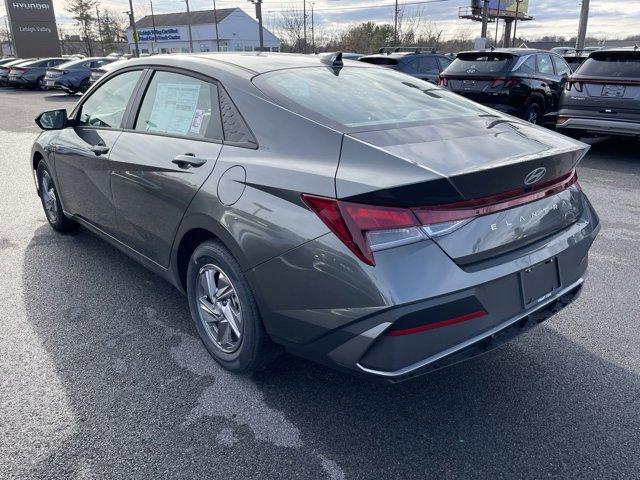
column 485, row 19
column 258, row 4
column 313, row 38
column 515, row 25
column 134, row 31
column 304, row 24
column 153, row 24
column 582, row 27
column 395, row 24
column 497, row 22
column 189, row 25
column 215, row 21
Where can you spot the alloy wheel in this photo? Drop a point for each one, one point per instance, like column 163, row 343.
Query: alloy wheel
column 48, row 192
column 533, row 116
column 219, row 308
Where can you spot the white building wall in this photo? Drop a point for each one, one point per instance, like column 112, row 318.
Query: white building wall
column 237, row 32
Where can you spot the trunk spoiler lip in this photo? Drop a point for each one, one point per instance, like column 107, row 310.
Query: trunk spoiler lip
column 488, row 204
column 604, row 80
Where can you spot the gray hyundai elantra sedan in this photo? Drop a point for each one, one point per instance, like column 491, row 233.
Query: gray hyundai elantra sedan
column 340, row 211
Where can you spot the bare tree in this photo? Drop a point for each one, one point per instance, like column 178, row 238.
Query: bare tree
column 83, row 12
column 290, row 25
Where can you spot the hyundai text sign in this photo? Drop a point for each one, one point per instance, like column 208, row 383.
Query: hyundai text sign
column 33, row 28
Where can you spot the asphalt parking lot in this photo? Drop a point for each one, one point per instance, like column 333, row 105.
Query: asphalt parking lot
column 102, row 374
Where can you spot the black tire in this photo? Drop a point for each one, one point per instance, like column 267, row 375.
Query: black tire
column 533, row 113
column 58, row 221
column 255, row 349
column 40, row 84
column 84, row 85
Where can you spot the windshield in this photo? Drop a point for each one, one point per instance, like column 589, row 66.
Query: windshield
column 480, row 63
column 358, row 97
column 612, row 64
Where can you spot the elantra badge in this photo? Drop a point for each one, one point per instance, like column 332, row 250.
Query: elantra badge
column 535, row 176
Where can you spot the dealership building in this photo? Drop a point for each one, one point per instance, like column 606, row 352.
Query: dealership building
column 196, row 31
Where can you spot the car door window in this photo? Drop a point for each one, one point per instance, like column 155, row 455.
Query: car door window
column 544, row 64
column 428, row 65
column 107, row 104
column 181, row 105
column 562, row 69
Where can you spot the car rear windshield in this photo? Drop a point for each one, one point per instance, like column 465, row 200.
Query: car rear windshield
column 481, row 63
column 363, row 98
column 380, row 60
column 612, row 65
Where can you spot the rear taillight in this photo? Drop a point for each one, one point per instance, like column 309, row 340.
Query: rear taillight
column 506, row 82
column 443, row 81
column 365, row 229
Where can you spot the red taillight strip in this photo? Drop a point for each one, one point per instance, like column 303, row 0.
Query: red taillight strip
column 444, row 323
column 491, row 203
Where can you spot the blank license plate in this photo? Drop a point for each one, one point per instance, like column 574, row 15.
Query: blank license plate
column 539, row 282
column 613, row 91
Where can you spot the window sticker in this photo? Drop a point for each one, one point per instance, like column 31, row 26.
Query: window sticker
column 174, row 108
column 196, row 123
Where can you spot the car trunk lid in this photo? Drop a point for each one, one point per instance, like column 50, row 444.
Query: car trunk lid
column 471, row 166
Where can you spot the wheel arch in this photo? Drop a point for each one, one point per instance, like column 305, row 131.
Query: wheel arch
column 539, row 98
column 194, row 232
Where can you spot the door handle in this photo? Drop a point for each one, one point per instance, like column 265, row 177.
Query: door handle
column 188, row 160
column 99, row 149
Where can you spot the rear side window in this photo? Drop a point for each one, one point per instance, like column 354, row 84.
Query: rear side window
column 107, row 104
column 428, row 65
column 177, row 104
column 444, row 62
column 544, row 64
column 612, row 65
column 380, row 60
column 481, row 63
column 561, row 66
column 529, row 65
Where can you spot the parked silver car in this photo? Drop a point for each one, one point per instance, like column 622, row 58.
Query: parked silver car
column 342, row 211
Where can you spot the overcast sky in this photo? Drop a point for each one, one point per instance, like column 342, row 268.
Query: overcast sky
column 608, row 18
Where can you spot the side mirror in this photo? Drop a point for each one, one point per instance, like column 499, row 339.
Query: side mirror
column 53, row 120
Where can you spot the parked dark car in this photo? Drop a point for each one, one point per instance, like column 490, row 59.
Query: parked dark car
column 420, row 63
column 74, row 76
column 348, row 213
column 6, row 68
column 31, row 74
column 602, row 97
column 97, row 73
column 522, row 82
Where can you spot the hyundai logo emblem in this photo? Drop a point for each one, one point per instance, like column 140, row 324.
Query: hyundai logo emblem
column 535, row 176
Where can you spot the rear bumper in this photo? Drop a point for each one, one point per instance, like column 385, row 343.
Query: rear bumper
column 604, row 126
column 485, row 341
column 340, row 312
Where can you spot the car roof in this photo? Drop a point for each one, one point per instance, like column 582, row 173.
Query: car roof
column 250, row 62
